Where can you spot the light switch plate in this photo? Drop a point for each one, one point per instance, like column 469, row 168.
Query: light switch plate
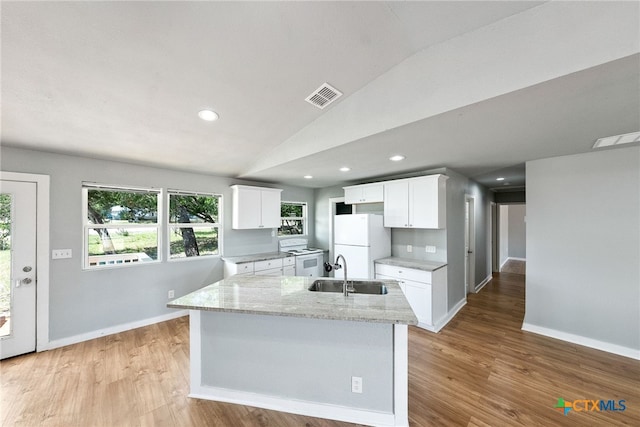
column 61, row 253
column 430, row 249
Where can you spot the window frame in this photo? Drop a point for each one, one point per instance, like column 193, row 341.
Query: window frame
column 205, row 225
column 304, row 218
column 86, row 226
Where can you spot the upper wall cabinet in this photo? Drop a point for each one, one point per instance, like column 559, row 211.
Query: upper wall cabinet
column 255, row 207
column 416, row 202
column 365, row 193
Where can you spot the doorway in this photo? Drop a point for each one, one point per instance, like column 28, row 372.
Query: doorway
column 24, row 268
column 469, row 244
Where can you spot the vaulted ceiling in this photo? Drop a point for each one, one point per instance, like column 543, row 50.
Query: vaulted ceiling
column 480, row 87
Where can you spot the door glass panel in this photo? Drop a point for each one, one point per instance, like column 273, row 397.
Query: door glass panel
column 5, row 265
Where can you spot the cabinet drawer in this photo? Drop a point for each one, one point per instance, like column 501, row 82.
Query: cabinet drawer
column 270, row 272
column 289, row 261
column 268, row 264
column 246, row 267
column 404, row 273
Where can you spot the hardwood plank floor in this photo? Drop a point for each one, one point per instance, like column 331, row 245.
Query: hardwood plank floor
column 515, row 266
column 481, row 370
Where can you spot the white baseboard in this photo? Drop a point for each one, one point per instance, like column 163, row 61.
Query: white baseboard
column 483, row 283
column 311, row 409
column 112, row 330
column 584, row 341
column 445, row 319
column 516, row 259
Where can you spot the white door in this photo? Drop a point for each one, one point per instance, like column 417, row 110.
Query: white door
column 17, row 268
column 270, row 209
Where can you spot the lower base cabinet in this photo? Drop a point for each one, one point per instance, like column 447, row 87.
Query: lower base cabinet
column 273, row 267
column 426, row 291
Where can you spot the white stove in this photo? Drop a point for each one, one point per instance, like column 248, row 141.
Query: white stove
column 309, row 261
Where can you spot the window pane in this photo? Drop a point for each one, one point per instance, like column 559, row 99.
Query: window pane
column 5, row 264
column 118, row 207
column 193, row 242
column 291, row 226
column 122, row 246
column 185, row 209
column 288, row 209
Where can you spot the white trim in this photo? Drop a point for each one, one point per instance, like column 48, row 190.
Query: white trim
column 112, row 330
column 450, row 315
column 483, row 283
column 42, row 251
column 516, row 259
column 300, row 407
column 584, row 341
column 400, row 375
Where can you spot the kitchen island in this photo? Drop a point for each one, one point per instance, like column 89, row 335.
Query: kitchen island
column 270, row 342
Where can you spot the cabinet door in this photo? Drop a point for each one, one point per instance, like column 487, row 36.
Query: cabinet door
column 419, row 297
column 372, row 193
column 396, row 207
column 352, row 195
column 289, row 271
column 270, row 209
column 423, row 202
column 246, row 208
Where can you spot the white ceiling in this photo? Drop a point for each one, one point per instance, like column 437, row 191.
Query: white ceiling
column 474, row 86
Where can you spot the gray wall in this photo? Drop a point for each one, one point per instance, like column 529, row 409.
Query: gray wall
column 583, row 245
column 517, row 231
column 86, row 301
column 301, row 359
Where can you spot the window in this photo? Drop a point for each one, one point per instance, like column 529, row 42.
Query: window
column 194, row 228
column 121, row 225
column 293, row 219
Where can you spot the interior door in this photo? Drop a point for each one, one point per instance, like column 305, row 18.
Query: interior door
column 17, row 268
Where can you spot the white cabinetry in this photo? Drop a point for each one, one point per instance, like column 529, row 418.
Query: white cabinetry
column 426, row 291
column 271, row 267
column 365, row 193
column 255, row 207
column 415, row 202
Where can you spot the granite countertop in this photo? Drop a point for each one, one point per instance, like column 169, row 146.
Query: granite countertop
column 288, row 296
column 411, row 263
column 255, row 257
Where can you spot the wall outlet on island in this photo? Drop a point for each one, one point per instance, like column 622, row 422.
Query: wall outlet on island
column 171, row 294
column 409, row 248
column 430, row 249
column 356, row 384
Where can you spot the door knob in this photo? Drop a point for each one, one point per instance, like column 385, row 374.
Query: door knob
column 27, row 269
column 25, row 281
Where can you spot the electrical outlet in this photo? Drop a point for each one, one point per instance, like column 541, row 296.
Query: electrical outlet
column 430, row 249
column 356, row 384
column 171, row 294
column 409, row 248
column 61, row 253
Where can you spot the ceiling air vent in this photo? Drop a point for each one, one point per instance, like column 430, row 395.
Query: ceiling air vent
column 323, row 96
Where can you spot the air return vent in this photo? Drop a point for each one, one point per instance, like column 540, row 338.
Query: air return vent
column 323, row 96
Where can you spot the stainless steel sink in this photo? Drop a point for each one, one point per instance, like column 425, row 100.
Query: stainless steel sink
column 369, row 287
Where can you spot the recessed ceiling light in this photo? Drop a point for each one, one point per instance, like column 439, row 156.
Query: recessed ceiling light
column 208, row 115
column 626, row 138
column 396, row 158
column 345, row 169
column 500, row 179
column 308, row 176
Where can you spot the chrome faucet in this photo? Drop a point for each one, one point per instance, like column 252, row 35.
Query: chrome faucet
column 345, row 287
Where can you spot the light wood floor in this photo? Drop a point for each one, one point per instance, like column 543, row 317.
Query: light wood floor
column 514, row 266
column 480, row 370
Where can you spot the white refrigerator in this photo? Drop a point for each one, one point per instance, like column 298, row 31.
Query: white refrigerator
column 361, row 239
